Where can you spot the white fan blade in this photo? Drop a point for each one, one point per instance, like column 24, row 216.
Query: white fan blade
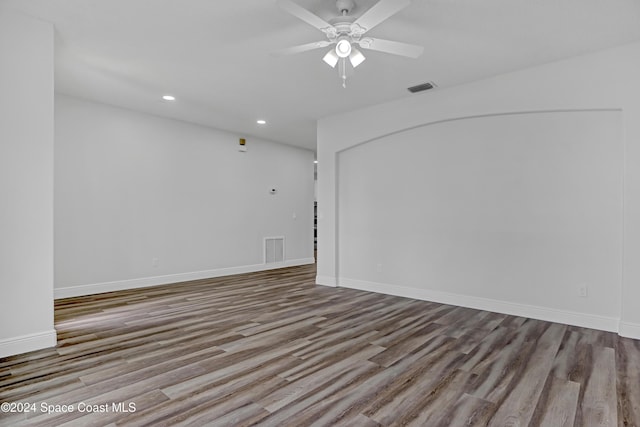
column 389, row 46
column 301, row 48
column 379, row 12
column 300, row 12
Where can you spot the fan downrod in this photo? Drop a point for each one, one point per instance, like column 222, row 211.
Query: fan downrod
column 345, row 6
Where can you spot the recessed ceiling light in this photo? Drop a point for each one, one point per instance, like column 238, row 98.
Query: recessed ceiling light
column 315, row 161
column 261, row 122
column 169, row 97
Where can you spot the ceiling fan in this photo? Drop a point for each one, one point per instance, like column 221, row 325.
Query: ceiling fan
column 346, row 32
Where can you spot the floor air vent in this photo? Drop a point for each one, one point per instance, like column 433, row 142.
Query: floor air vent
column 273, row 250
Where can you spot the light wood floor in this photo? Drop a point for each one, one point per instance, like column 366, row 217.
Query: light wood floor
column 273, row 349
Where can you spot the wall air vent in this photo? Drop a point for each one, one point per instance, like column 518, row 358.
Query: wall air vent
column 273, row 250
column 420, row 88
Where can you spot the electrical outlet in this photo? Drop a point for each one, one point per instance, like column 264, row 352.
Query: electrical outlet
column 583, row 291
column 379, row 268
column 154, row 262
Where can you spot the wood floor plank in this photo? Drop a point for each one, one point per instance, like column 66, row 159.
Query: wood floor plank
column 467, row 411
column 251, row 383
column 600, row 407
column 273, row 349
column 628, row 369
column 359, row 421
column 302, row 386
column 558, row 403
column 444, row 394
column 405, row 396
column 147, row 400
column 518, row 405
column 310, row 408
column 398, row 348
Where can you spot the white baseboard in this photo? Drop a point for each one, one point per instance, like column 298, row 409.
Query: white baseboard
column 534, row 312
column 629, row 330
column 326, row 281
column 98, row 288
column 27, row 343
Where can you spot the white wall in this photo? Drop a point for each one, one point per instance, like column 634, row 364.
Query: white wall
column 569, row 143
column 520, row 208
column 26, row 184
column 132, row 188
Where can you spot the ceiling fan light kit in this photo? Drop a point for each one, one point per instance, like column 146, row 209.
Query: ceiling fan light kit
column 343, row 48
column 356, row 58
column 331, row 58
column 346, row 32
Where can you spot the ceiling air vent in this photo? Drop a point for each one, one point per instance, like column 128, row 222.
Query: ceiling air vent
column 420, row 88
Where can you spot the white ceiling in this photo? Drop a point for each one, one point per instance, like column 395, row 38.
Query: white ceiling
column 213, row 55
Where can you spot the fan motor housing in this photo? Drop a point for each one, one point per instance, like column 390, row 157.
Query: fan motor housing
column 343, row 25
